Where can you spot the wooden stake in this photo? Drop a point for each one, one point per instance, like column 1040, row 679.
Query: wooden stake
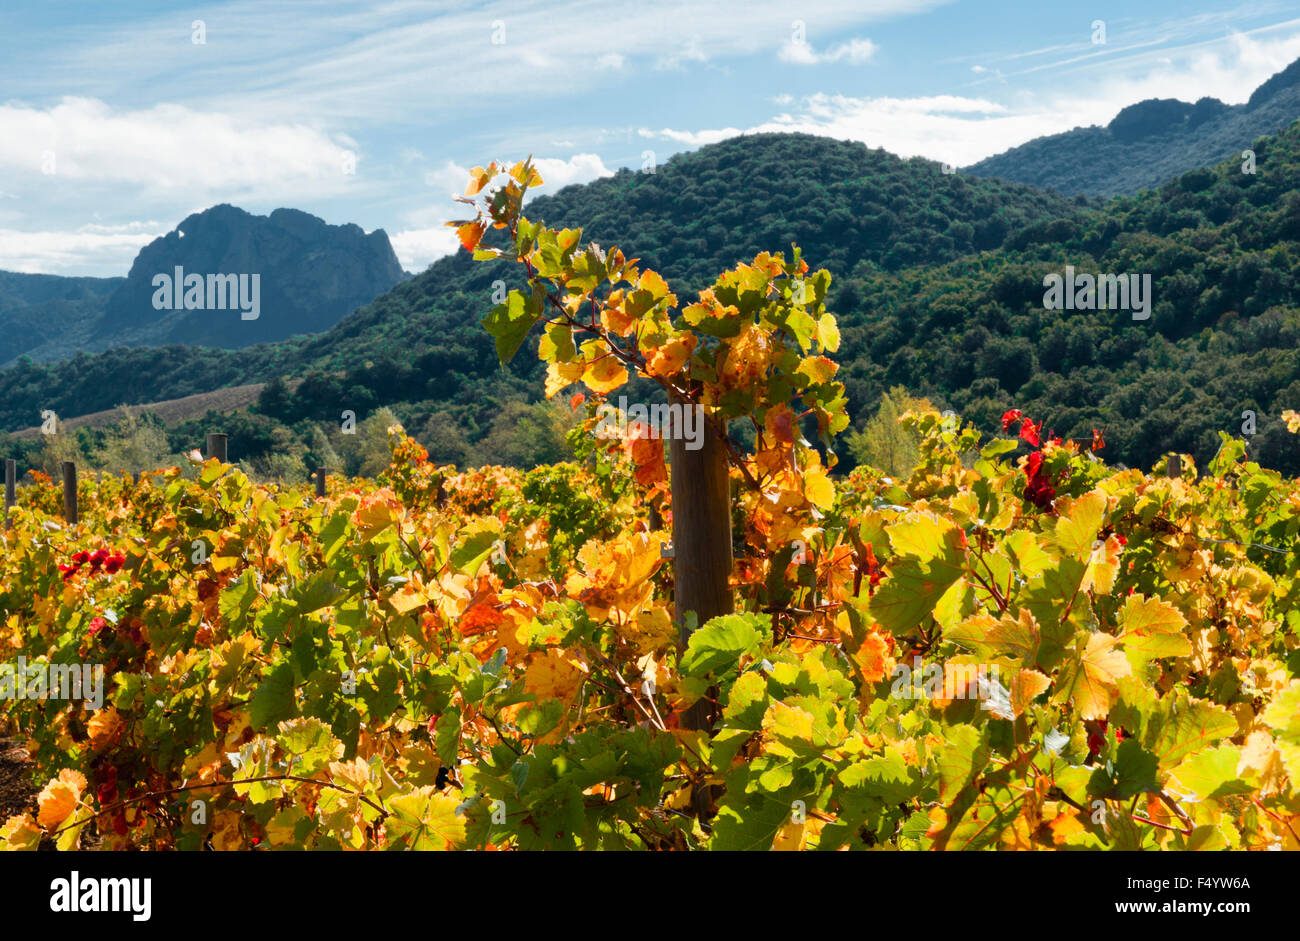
column 702, row 560
column 11, row 479
column 70, row 492
column 217, row 447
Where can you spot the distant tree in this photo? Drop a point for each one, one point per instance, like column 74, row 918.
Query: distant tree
column 61, row 446
column 276, row 400
column 445, row 439
column 366, row 453
column 884, row 443
column 1010, row 360
column 321, row 451
column 134, row 443
column 284, row 460
column 526, row 435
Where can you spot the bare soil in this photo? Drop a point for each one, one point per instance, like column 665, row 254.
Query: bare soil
column 16, row 792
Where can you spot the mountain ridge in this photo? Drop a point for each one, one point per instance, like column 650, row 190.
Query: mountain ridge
column 1148, row 142
column 926, row 299
column 310, row 274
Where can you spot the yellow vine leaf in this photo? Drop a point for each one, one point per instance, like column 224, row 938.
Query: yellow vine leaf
column 1152, row 629
column 1091, row 683
column 20, row 833
column 59, row 798
column 103, row 727
column 1026, row 685
column 604, row 374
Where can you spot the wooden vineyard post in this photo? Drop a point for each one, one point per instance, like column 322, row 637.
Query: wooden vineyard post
column 702, row 560
column 11, row 474
column 217, row 447
column 1174, row 466
column 70, row 492
column 319, row 475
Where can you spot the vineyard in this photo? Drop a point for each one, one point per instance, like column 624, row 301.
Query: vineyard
column 1016, row 647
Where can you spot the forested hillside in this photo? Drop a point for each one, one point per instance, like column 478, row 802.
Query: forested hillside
column 699, row 212
column 1148, row 143
column 38, row 308
column 1221, row 248
column 938, row 284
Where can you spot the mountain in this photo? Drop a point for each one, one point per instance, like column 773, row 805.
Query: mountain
column 848, row 206
column 308, row 275
column 938, row 286
column 1219, row 353
column 1149, row 143
column 36, row 309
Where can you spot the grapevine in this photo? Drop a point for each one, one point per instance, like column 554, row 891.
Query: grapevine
column 438, row 658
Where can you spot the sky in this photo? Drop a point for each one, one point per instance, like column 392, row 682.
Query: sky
column 118, row 120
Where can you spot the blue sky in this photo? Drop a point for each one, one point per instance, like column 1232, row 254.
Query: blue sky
column 115, row 124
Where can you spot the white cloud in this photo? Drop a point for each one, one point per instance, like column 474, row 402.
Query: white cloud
column 692, row 138
column 679, row 54
column 988, row 74
column 580, row 168
column 451, row 177
column 949, row 128
column 418, row 248
column 106, row 249
column 855, row 52
column 945, row 127
column 961, row 130
column 798, row 53
column 1229, row 69
column 167, row 147
column 391, row 61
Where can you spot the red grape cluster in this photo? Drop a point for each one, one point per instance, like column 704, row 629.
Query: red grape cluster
column 110, row 562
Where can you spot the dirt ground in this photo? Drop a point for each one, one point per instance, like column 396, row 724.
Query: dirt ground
column 16, row 793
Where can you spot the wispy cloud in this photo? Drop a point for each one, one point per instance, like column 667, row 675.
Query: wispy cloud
column 90, row 246
column 855, row 52
column 166, row 147
column 144, row 123
column 961, row 129
column 401, row 59
column 1243, row 57
column 693, row 138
